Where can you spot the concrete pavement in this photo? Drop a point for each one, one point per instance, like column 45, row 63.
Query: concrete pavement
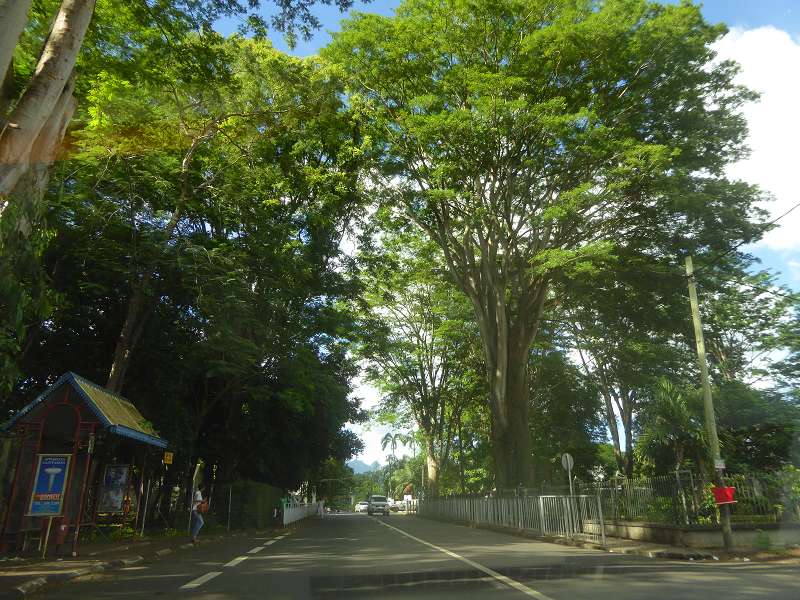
column 356, row 556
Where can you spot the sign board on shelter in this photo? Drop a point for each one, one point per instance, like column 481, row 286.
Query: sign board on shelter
column 168, row 458
column 49, row 485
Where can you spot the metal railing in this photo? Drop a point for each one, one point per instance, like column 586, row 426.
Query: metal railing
column 685, row 498
column 574, row 517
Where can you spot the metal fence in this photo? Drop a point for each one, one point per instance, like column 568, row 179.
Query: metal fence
column 574, row 517
column 685, row 498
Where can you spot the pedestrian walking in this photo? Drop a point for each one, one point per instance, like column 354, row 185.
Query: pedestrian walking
column 199, row 506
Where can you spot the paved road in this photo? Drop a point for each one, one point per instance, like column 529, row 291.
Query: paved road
column 356, row 556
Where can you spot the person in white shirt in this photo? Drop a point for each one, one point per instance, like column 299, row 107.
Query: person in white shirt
column 197, row 521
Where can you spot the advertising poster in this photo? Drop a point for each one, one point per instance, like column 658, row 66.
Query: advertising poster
column 115, row 485
column 49, row 486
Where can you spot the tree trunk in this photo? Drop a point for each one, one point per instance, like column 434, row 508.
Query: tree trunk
column 129, row 334
column 432, row 464
column 611, row 417
column 461, row 477
column 511, row 443
column 42, row 97
column 627, row 422
column 506, row 349
column 13, row 16
column 140, row 302
column 31, row 186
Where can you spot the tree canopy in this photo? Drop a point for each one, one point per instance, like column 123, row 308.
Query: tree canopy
column 529, row 140
column 482, row 207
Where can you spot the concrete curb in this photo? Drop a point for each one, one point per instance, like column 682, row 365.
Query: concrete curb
column 34, row 585
column 671, row 553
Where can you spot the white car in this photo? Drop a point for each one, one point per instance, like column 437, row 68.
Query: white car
column 378, row 504
column 362, row 507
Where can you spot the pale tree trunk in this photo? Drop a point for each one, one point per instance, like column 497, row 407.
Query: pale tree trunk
column 624, row 399
column 13, row 17
column 432, row 465
column 609, row 402
column 506, row 348
column 461, row 475
column 35, row 109
column 30, row 189
column 610, row 399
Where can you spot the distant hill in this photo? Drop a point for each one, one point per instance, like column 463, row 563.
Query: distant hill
column 359, row 466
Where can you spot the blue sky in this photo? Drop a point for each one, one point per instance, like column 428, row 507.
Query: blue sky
column 747, row 14
column 765, row 40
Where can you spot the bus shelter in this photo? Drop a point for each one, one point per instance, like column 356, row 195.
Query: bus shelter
column 81, row 458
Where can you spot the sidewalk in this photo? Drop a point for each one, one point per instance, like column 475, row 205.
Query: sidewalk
column 22, row 576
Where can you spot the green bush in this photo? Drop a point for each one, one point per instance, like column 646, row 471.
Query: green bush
column 763, row 541
column 252, row 504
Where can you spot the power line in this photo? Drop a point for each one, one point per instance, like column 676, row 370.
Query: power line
column 795, row 297
column 763, row 228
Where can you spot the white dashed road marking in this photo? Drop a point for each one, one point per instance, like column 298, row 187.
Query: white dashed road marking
column 236, row 561
column 195, row 583
column 492, row 573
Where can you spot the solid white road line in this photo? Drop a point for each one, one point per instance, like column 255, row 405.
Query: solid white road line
column 195, row 583
column 269, row 543
column 492, row 573
column 236, row 561
column 255, row 550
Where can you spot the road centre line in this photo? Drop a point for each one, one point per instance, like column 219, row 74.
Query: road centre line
column 492, row 573
column 236, row 561
column 195, row 583
column 255, row 550
column 269, row 543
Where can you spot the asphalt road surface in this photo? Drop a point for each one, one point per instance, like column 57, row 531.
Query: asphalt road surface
column 357, row 556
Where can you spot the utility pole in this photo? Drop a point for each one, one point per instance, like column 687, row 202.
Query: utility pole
column 708, row 406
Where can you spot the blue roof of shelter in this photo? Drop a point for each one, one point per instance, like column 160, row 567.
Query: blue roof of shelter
column 117, row 414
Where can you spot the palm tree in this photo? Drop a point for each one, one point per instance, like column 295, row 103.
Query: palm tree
column 391, row 439
column 670, row 426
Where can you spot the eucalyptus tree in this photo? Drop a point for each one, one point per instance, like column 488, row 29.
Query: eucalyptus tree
column 528, row 138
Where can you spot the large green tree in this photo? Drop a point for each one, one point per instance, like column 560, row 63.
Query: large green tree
column 52, row 53
column 245, row 326
column 529, row 138
column 422, row 353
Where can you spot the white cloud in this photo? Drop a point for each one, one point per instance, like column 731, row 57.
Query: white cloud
column 794, row 269
column 769, row 58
